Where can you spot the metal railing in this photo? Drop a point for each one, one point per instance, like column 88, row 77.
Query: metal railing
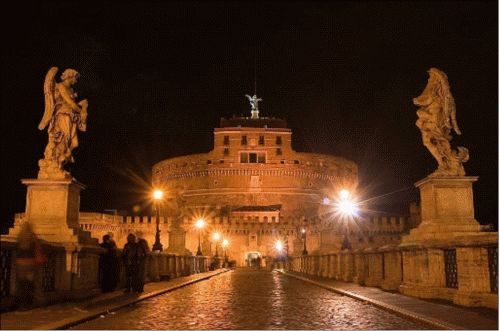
column 49, row 273
column 493, row 267
column 450, row 267
column 6, row 256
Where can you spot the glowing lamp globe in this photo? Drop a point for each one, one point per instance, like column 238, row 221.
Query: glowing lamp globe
column 344, row 194
column 200, row 223
column 158, row 194
column 279, row 246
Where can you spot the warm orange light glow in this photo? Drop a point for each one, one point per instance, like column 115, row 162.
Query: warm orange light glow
column 216, row 236
column 344, row 194
column 200, row 223
column 279, row 246
column 348, row 208
column 225, row 242
column 158, row 194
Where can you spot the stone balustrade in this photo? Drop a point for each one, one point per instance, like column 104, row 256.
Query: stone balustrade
column 464, row 274
column 74, row 273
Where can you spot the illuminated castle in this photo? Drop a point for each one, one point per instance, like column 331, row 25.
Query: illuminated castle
column 254, row 189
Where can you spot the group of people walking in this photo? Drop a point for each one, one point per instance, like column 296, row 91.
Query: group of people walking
column 134, row 260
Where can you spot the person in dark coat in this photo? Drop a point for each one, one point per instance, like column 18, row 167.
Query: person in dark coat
column 108, row 265
column 131, row 261
column 30, row 259
column 142, row 250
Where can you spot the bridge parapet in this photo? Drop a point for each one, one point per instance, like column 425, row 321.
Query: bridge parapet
column 464, row 271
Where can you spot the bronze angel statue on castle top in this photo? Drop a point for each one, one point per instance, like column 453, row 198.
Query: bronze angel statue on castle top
column 437, row 117
column 63, row 116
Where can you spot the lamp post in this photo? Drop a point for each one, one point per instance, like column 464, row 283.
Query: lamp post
column 279, row 249
column 199, row 224
column 304, row 235
column 157, row 246
column 216, row 239
column 224, row 245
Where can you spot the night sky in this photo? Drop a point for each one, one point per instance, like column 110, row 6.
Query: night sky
column 159, row 77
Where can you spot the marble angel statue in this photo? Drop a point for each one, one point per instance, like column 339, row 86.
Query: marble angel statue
column 64, row 117
column 436, row 119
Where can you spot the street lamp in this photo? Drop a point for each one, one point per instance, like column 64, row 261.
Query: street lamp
column 157, row 246
column 224, row 245
column 199, row 224
column 347, row 208
column 216, row 239
column 279, row 249
column 304, row 235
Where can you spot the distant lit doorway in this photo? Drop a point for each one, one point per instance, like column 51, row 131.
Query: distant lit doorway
column 253, row 259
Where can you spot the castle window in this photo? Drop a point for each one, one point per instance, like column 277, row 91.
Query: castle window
column 296, row 162
column 279, row 152
column 226, row 140
column 261, row 140
column 209, row 161
column 243, row 140
column 278, row 140
column 282, row 161
column 221, row 161
column 253, row 157
column 226, row 151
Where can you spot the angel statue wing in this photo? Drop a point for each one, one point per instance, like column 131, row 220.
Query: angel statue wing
column 449, row 109
column 249, row 97
column 49, row 89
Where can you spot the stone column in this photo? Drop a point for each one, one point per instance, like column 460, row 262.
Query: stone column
column 178, row 265
column 321, row 264
column 326, row 265
column 359, row 267
column 348, row 258
column 392, row 268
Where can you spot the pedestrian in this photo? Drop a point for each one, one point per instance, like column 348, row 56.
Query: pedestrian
column 131, row 261
column 142, row 250
column 30, row 259
column 108, row 265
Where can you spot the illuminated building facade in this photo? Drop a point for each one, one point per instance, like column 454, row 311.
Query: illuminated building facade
column 254, row 189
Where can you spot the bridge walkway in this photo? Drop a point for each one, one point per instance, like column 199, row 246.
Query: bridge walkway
column 432, row 313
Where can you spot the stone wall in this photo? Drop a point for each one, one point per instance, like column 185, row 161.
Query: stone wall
column 464, row 272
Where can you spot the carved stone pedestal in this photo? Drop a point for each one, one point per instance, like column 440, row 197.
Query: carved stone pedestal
column 446, row 256
column 52, row 207
column 177, row 241
column 447, row 209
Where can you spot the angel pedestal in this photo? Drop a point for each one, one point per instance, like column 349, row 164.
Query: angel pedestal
column 52, row 207
column 177, row 240
column 446, row 256
column 447, row 209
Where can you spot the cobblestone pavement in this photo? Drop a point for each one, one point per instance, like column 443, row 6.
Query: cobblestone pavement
column 251, row 299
